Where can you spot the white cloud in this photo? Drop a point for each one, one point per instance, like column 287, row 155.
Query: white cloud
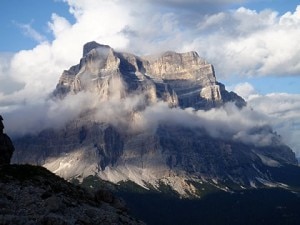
column 250, row 43
column 29, row 31
column 245, row 90
column 283, row 112
column 7, row 84
column 59, row 25
column 131, row 114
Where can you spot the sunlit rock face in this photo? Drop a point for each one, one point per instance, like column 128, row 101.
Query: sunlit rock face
column 139, row 122
column 181, row 79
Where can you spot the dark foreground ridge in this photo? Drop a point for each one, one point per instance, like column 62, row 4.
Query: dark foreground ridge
column 34, row 195
column 6, row 145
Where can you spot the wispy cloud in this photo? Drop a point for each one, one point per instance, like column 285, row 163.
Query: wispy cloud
column 30, row 32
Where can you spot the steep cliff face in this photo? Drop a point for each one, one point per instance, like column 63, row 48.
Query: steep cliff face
column 140, row 123
column 173, row 155
column 181, row 79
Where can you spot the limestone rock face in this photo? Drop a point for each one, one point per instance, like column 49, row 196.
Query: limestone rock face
column 176, row 66
column 173, row 155
column 181, row 79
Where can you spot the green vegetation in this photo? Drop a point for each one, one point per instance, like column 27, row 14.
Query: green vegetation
column 95, row 183
column 129, row 186
column 248, row 207
column 204, row 188
column 287, row 174
column 262, row 206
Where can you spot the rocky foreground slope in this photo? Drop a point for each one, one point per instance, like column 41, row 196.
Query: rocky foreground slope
column 147, row 120
column 33, row 195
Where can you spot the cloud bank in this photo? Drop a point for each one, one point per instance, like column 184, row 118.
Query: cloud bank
column 134, row 114
column 281, row 111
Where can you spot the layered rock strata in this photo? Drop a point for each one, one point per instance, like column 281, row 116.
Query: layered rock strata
column 181, row 79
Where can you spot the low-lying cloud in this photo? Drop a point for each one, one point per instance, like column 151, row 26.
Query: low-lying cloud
column 281, row 111
column 132, row 114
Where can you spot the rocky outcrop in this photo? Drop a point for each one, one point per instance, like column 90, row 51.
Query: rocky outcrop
column 181, row 79
column 180, row 66
column 6, row 146
column 33, row 195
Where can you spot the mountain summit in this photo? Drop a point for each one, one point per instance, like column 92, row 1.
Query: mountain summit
column 158, row 121
column 181, row 79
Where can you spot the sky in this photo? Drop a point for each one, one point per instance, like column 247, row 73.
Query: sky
column 253, row 45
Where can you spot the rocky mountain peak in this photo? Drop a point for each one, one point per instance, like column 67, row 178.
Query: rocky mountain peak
column 181, row 79
column 92, row 45
column 180, row 66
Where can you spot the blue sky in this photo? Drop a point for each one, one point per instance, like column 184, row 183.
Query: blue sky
column 282, row 6
column 252, row 44
column 37, row 13
column 267, row 84
column 34, row 12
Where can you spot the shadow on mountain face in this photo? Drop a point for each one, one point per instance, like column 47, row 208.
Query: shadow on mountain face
column 263, row 206
column 260, row 207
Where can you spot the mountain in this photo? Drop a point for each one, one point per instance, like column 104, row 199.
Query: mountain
column 155, row 121
column 183, row 80
column 33, row 195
